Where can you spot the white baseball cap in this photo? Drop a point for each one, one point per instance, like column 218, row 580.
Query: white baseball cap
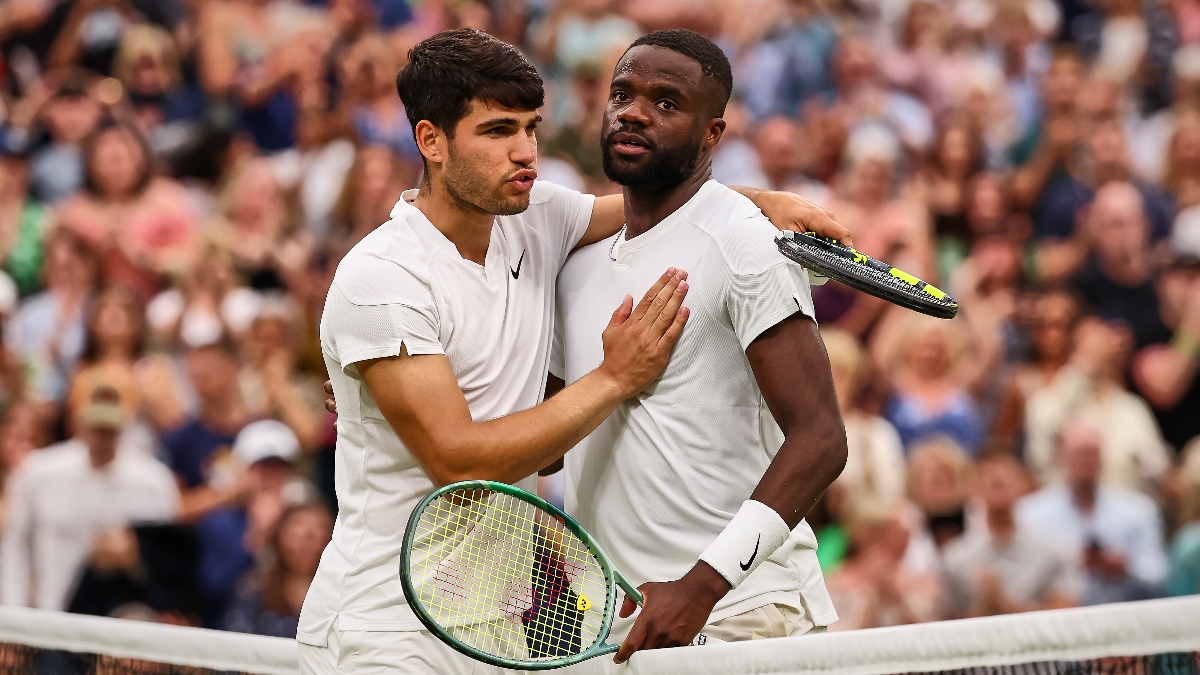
column 266, row 439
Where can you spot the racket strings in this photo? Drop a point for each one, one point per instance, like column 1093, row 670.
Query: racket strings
column 505, row 578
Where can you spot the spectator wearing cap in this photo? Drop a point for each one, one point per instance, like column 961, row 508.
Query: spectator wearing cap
column 1003, row 570
column 1115, row 534
column 65, row 498
column 1165, row 372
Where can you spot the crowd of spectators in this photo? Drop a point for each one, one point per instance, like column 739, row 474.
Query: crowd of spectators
column 179, row 179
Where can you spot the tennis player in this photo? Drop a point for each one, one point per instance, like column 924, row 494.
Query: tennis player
column 697, row 487
column 436, row 335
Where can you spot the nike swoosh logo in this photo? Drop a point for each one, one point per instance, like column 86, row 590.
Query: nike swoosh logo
column 517, row 272
column 746, row 565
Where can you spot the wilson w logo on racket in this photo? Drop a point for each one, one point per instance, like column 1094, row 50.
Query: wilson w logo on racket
column 857, row 270
column 507, row 578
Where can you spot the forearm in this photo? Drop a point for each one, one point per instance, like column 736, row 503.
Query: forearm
column 515, row 446
column 1027, row 182
column 805, row 466
column 1164, row 374
column 198, row 502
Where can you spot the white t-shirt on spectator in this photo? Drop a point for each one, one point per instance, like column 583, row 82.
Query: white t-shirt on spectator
column 660, row 478
column 406, row 284
column 58, row 503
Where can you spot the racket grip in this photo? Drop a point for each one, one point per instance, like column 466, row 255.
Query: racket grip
column 633, row 593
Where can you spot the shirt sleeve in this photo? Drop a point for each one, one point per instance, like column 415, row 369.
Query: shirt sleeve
column 560, row 213
column 358, row 332
column 761, row 287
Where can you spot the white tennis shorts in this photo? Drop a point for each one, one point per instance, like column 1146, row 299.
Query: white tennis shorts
column 356, row 652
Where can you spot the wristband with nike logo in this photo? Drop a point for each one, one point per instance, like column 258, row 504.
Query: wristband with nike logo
column 749, row 539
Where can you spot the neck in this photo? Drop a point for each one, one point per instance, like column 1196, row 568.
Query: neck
column 646, row 208
column 100, row 460
column 223, row 413
column 467, row 226
column 1084, row 495
column 1000, row 523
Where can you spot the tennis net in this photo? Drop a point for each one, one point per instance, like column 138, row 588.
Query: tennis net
column 1157, row 637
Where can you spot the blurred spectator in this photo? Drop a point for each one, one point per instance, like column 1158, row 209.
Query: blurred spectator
column 255, row 224
column 268, row 600
column 1181, row 177
column 369, row 73
column 143, row 227
column 1114, row 533
column 580, row 30
column 116, row 339
column 208, row 305
column 1091, row 385
column 198, row 451
column 372, row 188
column 65, row 500
column 939, row 481
column 792, row 64
column 1005, row 569
column 167, row 109
column 871, row 588
column 24, row 222
column 21, row 432
column 575, row 141
column 68, row 116
column 863, row 97
column 48, row 331
column 931, row 396
column 1166, row 372
column 955, row 159
column 1117, row 279
column 875, row 467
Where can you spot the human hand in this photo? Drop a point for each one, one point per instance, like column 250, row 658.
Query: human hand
column 330, row 404
column 115, row 550
column 673, row 612
column 638, row 340
column 788, row 211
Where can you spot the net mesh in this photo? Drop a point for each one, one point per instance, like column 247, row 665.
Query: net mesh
column 1157, row 637
column 506, row 578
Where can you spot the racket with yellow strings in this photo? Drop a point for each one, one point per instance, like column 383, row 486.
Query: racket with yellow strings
column 507, row 578
column 858, row 270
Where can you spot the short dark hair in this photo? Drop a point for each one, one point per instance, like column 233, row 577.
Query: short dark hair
column 447, row 71
column 713, row 62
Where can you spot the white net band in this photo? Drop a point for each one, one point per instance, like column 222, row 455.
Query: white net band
column 1088, row 639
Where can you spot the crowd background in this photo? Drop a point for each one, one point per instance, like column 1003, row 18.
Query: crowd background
column 179, row 178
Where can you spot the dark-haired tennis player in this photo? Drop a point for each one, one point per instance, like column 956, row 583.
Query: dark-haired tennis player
column 436, row 335
column 700, row 484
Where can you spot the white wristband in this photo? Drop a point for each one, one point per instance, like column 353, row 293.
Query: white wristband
column 749, row 539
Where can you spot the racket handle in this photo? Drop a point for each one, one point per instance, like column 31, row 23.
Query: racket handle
column 633, row 593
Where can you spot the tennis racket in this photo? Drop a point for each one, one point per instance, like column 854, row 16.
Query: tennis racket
column 507, row 578
column 841, row 263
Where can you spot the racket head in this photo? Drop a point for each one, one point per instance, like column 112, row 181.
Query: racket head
column 507, row 578
column 859, row 271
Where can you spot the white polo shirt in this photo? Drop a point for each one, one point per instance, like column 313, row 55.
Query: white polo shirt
column 406, row 284
column 665, row 473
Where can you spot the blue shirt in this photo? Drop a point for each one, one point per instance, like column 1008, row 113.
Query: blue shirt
column 1123, row 522
column 959, row 418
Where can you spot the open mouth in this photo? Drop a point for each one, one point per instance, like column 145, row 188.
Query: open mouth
column 626, row 143
column 523, row 180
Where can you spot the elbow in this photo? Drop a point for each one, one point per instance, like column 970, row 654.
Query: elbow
column 837, row 453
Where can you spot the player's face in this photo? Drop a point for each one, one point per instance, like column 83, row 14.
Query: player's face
column 492, row 158
column 658, row 119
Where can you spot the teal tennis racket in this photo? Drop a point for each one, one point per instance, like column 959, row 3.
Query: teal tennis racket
column 858, row 270
column 506, row 578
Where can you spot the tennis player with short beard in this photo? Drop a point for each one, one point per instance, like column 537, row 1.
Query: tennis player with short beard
column 436, row 336
column 698, row 486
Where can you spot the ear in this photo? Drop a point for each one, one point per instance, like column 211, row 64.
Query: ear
column 432, row 142
column 716, row 129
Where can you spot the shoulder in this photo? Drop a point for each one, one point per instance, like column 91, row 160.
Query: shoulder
column 52, row 459
column 737, row 230
column 553, row 203
column 391, row 265
column 1130, row 502
column 1049, row 497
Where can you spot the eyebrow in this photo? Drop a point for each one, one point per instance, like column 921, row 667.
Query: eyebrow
column 506, row 122
column 656, row 90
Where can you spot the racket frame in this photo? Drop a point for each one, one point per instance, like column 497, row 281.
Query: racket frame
column 791, row 245
column 613, row 579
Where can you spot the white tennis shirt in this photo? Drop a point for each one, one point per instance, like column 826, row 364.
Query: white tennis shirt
column 406, row 284
column 664, row 474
